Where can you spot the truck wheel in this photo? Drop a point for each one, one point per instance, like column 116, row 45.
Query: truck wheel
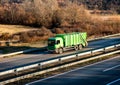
column 80, row 47
column 76, row 47
column 60, row 50
column 56, row 50
column 86, row 44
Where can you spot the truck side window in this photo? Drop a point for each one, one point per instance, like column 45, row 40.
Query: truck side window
column 58, row 41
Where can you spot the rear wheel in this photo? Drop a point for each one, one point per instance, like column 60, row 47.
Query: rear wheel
column 76, row 47
column 86, row 43
column 80, row 47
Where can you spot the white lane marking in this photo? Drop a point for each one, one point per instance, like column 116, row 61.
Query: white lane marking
column 111, row 68
column 72, row 70
column 113, row 82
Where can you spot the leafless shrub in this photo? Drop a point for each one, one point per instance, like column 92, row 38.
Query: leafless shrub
column 5, row 36
column 51, row 17
column 35, row 35
column 58, row 31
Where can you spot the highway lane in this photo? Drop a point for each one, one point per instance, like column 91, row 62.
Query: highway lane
column 23, row 59
column 103, row 73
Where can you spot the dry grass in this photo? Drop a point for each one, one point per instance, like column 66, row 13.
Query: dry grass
column 52, row 19
column 12, row 29
column 106, row 17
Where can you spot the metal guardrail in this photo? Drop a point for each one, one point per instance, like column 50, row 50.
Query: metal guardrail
column 21, row 52
column 104, row 37
column 40, row 64
column 58, row 67
column 35, row 49
column 8, row 43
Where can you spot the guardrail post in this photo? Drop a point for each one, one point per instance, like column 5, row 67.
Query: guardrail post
column 91, row 53
column 7, row 43
column 115, row 46
column 10, row 43
column 77, row 57
column 40, row 66
column 104, row 50
column 16, row 72
column 60, row 61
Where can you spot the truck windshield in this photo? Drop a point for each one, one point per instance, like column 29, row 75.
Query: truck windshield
column 51, row 42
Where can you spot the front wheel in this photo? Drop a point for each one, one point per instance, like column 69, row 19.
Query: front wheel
column 60, row 50
column 56, row 50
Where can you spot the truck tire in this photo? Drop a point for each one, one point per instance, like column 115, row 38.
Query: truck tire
column 56, row 50
column 86, row 44
column 80, row 47
column 76, row 47
column 60, row 50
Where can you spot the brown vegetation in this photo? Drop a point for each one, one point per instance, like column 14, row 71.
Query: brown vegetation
column 54, row 18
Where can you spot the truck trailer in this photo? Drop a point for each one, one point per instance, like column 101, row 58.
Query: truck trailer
column 63, row 42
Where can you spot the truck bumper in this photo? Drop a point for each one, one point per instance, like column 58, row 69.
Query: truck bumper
column 52, row 51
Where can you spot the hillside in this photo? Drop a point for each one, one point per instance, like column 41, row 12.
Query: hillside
column 51, row 18
column 113, row 5
column 91, row 4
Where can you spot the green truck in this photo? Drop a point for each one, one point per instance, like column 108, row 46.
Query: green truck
column 63, row 42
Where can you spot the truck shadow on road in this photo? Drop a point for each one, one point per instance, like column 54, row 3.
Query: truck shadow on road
column 12, row 49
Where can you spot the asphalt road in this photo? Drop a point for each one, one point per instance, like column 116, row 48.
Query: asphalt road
column 33, row 57
column 103, row 73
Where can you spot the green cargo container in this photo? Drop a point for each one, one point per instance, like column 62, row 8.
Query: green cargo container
column 62, row 42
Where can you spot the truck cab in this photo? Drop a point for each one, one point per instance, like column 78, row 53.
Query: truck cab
column 55, row 44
